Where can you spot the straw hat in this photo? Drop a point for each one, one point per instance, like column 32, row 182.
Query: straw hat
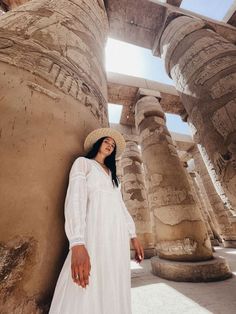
column 93, row 136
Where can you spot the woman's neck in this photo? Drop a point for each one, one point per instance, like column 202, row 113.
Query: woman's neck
column 100, row 159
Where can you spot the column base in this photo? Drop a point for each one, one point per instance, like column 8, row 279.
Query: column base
column 148, row 253
column 215, row 242
column 229, row 243
column 215, row 269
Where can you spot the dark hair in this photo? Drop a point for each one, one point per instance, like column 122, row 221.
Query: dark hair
column 109, row 161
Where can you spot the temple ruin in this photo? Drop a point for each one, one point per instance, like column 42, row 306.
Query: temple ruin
column 54, row 90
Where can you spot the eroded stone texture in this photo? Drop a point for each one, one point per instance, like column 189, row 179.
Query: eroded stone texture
column 210, row 213
column 180, row 232
column 200, row 202
column 203, row 66
column 134, row 193
column 15, row 262
column 216, row 180
column 53, row 93
column 214, row 270
column 221, row 211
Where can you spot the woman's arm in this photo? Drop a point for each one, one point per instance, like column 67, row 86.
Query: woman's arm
column 76, row 203
column 75, row 221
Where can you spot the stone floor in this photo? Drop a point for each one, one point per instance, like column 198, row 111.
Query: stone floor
column 153, row 295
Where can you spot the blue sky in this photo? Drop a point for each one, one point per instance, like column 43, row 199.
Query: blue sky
column 136, row 61
column 215, row 9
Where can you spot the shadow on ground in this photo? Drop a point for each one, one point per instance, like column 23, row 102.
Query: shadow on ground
column 154, row 295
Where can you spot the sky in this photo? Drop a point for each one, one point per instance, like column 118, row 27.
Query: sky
column 215, row 9
column 131, row 60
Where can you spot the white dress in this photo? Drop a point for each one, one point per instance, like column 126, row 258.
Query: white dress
column 96, row 216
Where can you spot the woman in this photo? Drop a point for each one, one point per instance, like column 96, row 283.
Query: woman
column 95, row 278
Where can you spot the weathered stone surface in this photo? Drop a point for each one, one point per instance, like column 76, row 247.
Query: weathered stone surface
column 16, row 262
column 222, row 213
column 179, row 229
column 230, row 243
column 213, row 270
column 148, row 253
column 212, row 220
column 200, row 202
column 216, row 180
column 189, row 25
column 53, row 93
column 57, row 59
column 134, row 193
column 203, row 65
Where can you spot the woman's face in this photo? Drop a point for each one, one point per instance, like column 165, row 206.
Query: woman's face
column 108, row 145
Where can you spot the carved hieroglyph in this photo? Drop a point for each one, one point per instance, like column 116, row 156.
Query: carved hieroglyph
column 203, row 66
column 180, row 232
column 134, row 193
column 53, row 93
column 199, row 201
column 222, row 213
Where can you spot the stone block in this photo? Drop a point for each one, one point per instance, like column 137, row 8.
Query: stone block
column 212, row 270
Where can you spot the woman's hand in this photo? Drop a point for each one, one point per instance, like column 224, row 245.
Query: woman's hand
column 80, row 265
column 139, row 253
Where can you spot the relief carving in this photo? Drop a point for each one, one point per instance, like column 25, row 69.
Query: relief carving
column 35, row 45
column 5, row 43
column 177, row 247
column 175, row 214
column 175, row 32
column 224, row 119
column 171, row 195
column 197, row 121
column 214, row 67
column 200, row 52
column 172, row 150
column 191, row 61
column 224, row 86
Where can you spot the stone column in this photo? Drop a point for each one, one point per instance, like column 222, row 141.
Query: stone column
column 180, row 232
column 212, row 217
column 203, row 67
column 207, row 213
column 216, row 180
column 53, row 93
column 135, row 197
column 222, row 213
column 200, row 203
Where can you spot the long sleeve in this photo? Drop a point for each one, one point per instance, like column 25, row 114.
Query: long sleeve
column 76, row 203
column 128, row 218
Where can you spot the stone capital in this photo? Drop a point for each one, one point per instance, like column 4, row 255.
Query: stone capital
column 170, row 13
column 148, row 105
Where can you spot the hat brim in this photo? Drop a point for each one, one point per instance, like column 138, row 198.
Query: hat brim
column 93, row 136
